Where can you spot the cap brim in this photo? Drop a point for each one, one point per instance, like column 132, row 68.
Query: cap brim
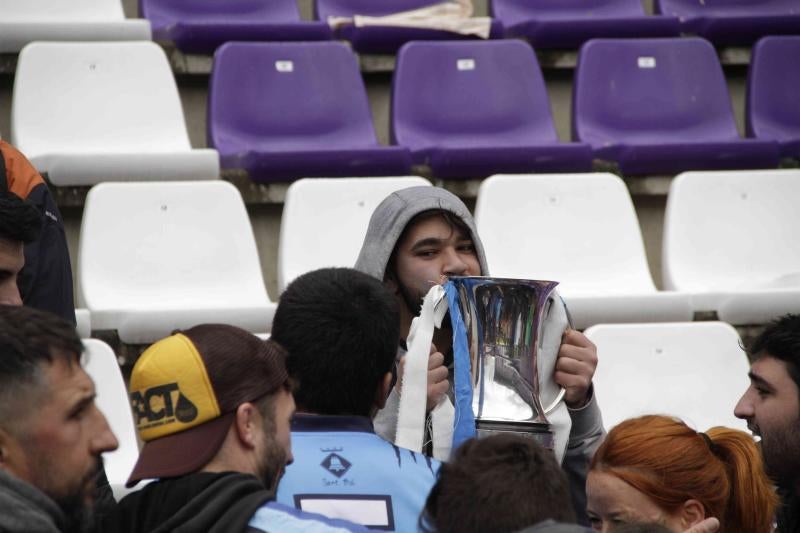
column 181, row 453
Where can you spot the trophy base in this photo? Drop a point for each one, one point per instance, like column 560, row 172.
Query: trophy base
column 538, row 431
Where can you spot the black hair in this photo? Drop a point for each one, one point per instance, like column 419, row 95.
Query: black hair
column 19, row 220
column 341, row 329
column 486, row 474
column 781, row 340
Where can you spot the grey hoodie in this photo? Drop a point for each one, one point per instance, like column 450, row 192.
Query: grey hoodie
column 25, row 509
column 385, row 227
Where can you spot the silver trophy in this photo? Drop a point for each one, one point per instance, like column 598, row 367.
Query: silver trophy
column 503, row 319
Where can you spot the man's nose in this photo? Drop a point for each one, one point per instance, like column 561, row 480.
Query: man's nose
column 744, row 407
column 9, row 294
column 454, row 264
column 104, row 439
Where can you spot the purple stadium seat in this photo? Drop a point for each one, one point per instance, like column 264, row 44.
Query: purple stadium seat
column 660, row 106
column 384, row 39
column 569, row 23
column 200, row 26
column 773, row 101
column 287, row 110
column 471, row 108
column 733, row 22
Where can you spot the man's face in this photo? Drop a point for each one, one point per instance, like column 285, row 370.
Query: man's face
column 771, row 406
column 57, row 447
column 11, row 262
column 430, row 250
column 277, row 444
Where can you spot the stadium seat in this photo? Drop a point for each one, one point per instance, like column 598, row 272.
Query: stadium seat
column 90, row 112
column 569, row 23
column 324, row 221
column 476, row 108
column 580, row 230
column 696, row 371
column 660, row 106
column 730, row 239
column 101, row 364
column 773, row 112
column 199, row 27
column 384, row 39
column 25, row 21
column 283, row 111
column 83, row 323
column 159, row 256
column 739, row 22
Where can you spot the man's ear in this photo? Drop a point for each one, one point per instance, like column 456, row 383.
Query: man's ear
column 390, row 283
column 382, row 393
column 691, row 513
column 248, row 424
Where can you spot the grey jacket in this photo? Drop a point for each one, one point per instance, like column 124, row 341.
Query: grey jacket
column 25, row 509
column 385, row 227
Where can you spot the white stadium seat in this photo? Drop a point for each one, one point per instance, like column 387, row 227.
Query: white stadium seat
column 159, row 256
column 731, row 239
column 25, row 21
column 101, row 364
column 325, row 219
column 580, row 230
column 696, row 371
column 90, row 112
column 83, row 323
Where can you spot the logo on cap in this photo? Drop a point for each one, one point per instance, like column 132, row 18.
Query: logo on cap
column 161, row 405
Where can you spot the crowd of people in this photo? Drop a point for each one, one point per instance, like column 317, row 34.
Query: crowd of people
column 297, row 432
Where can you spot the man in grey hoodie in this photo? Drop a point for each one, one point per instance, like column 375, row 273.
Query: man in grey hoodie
column 419, row 236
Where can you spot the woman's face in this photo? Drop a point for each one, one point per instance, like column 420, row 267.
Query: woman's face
column 611, row 501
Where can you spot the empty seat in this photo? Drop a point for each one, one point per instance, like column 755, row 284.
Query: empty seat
column 101, row 364
column 730, row 238
column 25, row 21
column 159, row 256
column 91, row 112
column 384, row 39
column 580, row 230
column 727, row 22
column 696, row 371
column 773, row 112
column 660, row 106
column 199, row 27
column 324, row 221
column 568, row 23
column 471, row 109
column 282, row 111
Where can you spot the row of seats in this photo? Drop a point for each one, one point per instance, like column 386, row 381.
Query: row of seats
column 202, row 26
column 282, row 111
column 159, row 256
column 649, row 359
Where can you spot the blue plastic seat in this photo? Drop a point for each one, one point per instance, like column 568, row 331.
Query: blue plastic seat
column 659, row 106
column 471, row 109
column 283, row 111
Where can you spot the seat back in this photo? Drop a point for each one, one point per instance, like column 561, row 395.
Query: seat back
column 96, row 98
column 687, row 9
column 101, row 364
column 348, row 8
column 772, row 102
column 285, row 96
column 578, row 229
column 475, row 92
column 696, row 371
column 516, row 11
column 164, row 12
column 32, row 11
column 732, row 230
column 650, row 90
column 168, row 245
column 324, row 221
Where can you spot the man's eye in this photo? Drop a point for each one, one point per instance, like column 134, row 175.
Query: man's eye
column 426, row 253
column 762, row 392
column 467, row 248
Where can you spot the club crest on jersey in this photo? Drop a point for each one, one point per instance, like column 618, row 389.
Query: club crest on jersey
column 161, row 405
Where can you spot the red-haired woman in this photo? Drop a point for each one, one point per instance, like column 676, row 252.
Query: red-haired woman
column 656, row 469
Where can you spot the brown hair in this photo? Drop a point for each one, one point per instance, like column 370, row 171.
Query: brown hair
column 670, row 463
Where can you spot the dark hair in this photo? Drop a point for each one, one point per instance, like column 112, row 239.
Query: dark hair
column 341, row 329
column 472, row 491
column 19, row 220
column 781, row 340
column 30, row 338
column 451, row 219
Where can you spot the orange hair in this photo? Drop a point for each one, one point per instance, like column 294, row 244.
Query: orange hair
column 671, row 463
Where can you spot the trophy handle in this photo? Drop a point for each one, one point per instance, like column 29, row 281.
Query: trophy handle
column 549, row 408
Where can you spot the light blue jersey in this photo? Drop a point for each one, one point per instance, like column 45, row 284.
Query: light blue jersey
column 274, row 517
column 342, row 469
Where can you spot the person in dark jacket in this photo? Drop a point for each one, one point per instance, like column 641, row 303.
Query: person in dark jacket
column 45, row 282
